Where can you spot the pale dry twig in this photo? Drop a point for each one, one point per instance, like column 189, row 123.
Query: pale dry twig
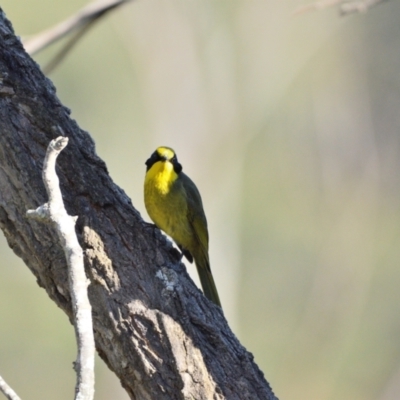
column 54, row 212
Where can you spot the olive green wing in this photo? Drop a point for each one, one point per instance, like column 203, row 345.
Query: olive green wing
column 196, row 216
column 198, row 222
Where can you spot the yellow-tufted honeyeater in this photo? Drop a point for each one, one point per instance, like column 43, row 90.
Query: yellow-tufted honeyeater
column 174, row 204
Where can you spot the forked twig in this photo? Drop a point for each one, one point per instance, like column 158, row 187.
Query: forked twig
column 54, row 212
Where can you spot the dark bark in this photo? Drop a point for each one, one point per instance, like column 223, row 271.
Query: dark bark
column 152, row 326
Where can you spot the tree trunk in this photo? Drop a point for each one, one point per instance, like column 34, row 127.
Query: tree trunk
column 152, row 326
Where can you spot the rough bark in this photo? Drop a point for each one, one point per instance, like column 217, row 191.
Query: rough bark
column 152, row 326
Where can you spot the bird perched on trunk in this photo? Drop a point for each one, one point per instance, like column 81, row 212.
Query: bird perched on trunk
column 174, row 204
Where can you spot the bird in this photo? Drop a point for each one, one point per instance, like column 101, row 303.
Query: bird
column 174, row 204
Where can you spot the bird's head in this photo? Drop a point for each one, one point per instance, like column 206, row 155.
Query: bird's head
column 164, row 154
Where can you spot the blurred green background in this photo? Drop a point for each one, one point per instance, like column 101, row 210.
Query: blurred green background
column 290, row 128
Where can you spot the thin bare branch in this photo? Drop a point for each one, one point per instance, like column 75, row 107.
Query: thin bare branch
column 55, row 213
column 86, row 16
column 65, row 50
column 345, row 6
column 358, row 6
column 7, row 391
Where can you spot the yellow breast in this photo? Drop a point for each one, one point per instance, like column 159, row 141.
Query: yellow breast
column 162, row 202
column 160, row 177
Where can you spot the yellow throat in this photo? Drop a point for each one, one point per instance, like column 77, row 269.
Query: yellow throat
column 161, row 174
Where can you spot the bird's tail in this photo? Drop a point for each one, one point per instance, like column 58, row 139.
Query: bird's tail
column 206, row 278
